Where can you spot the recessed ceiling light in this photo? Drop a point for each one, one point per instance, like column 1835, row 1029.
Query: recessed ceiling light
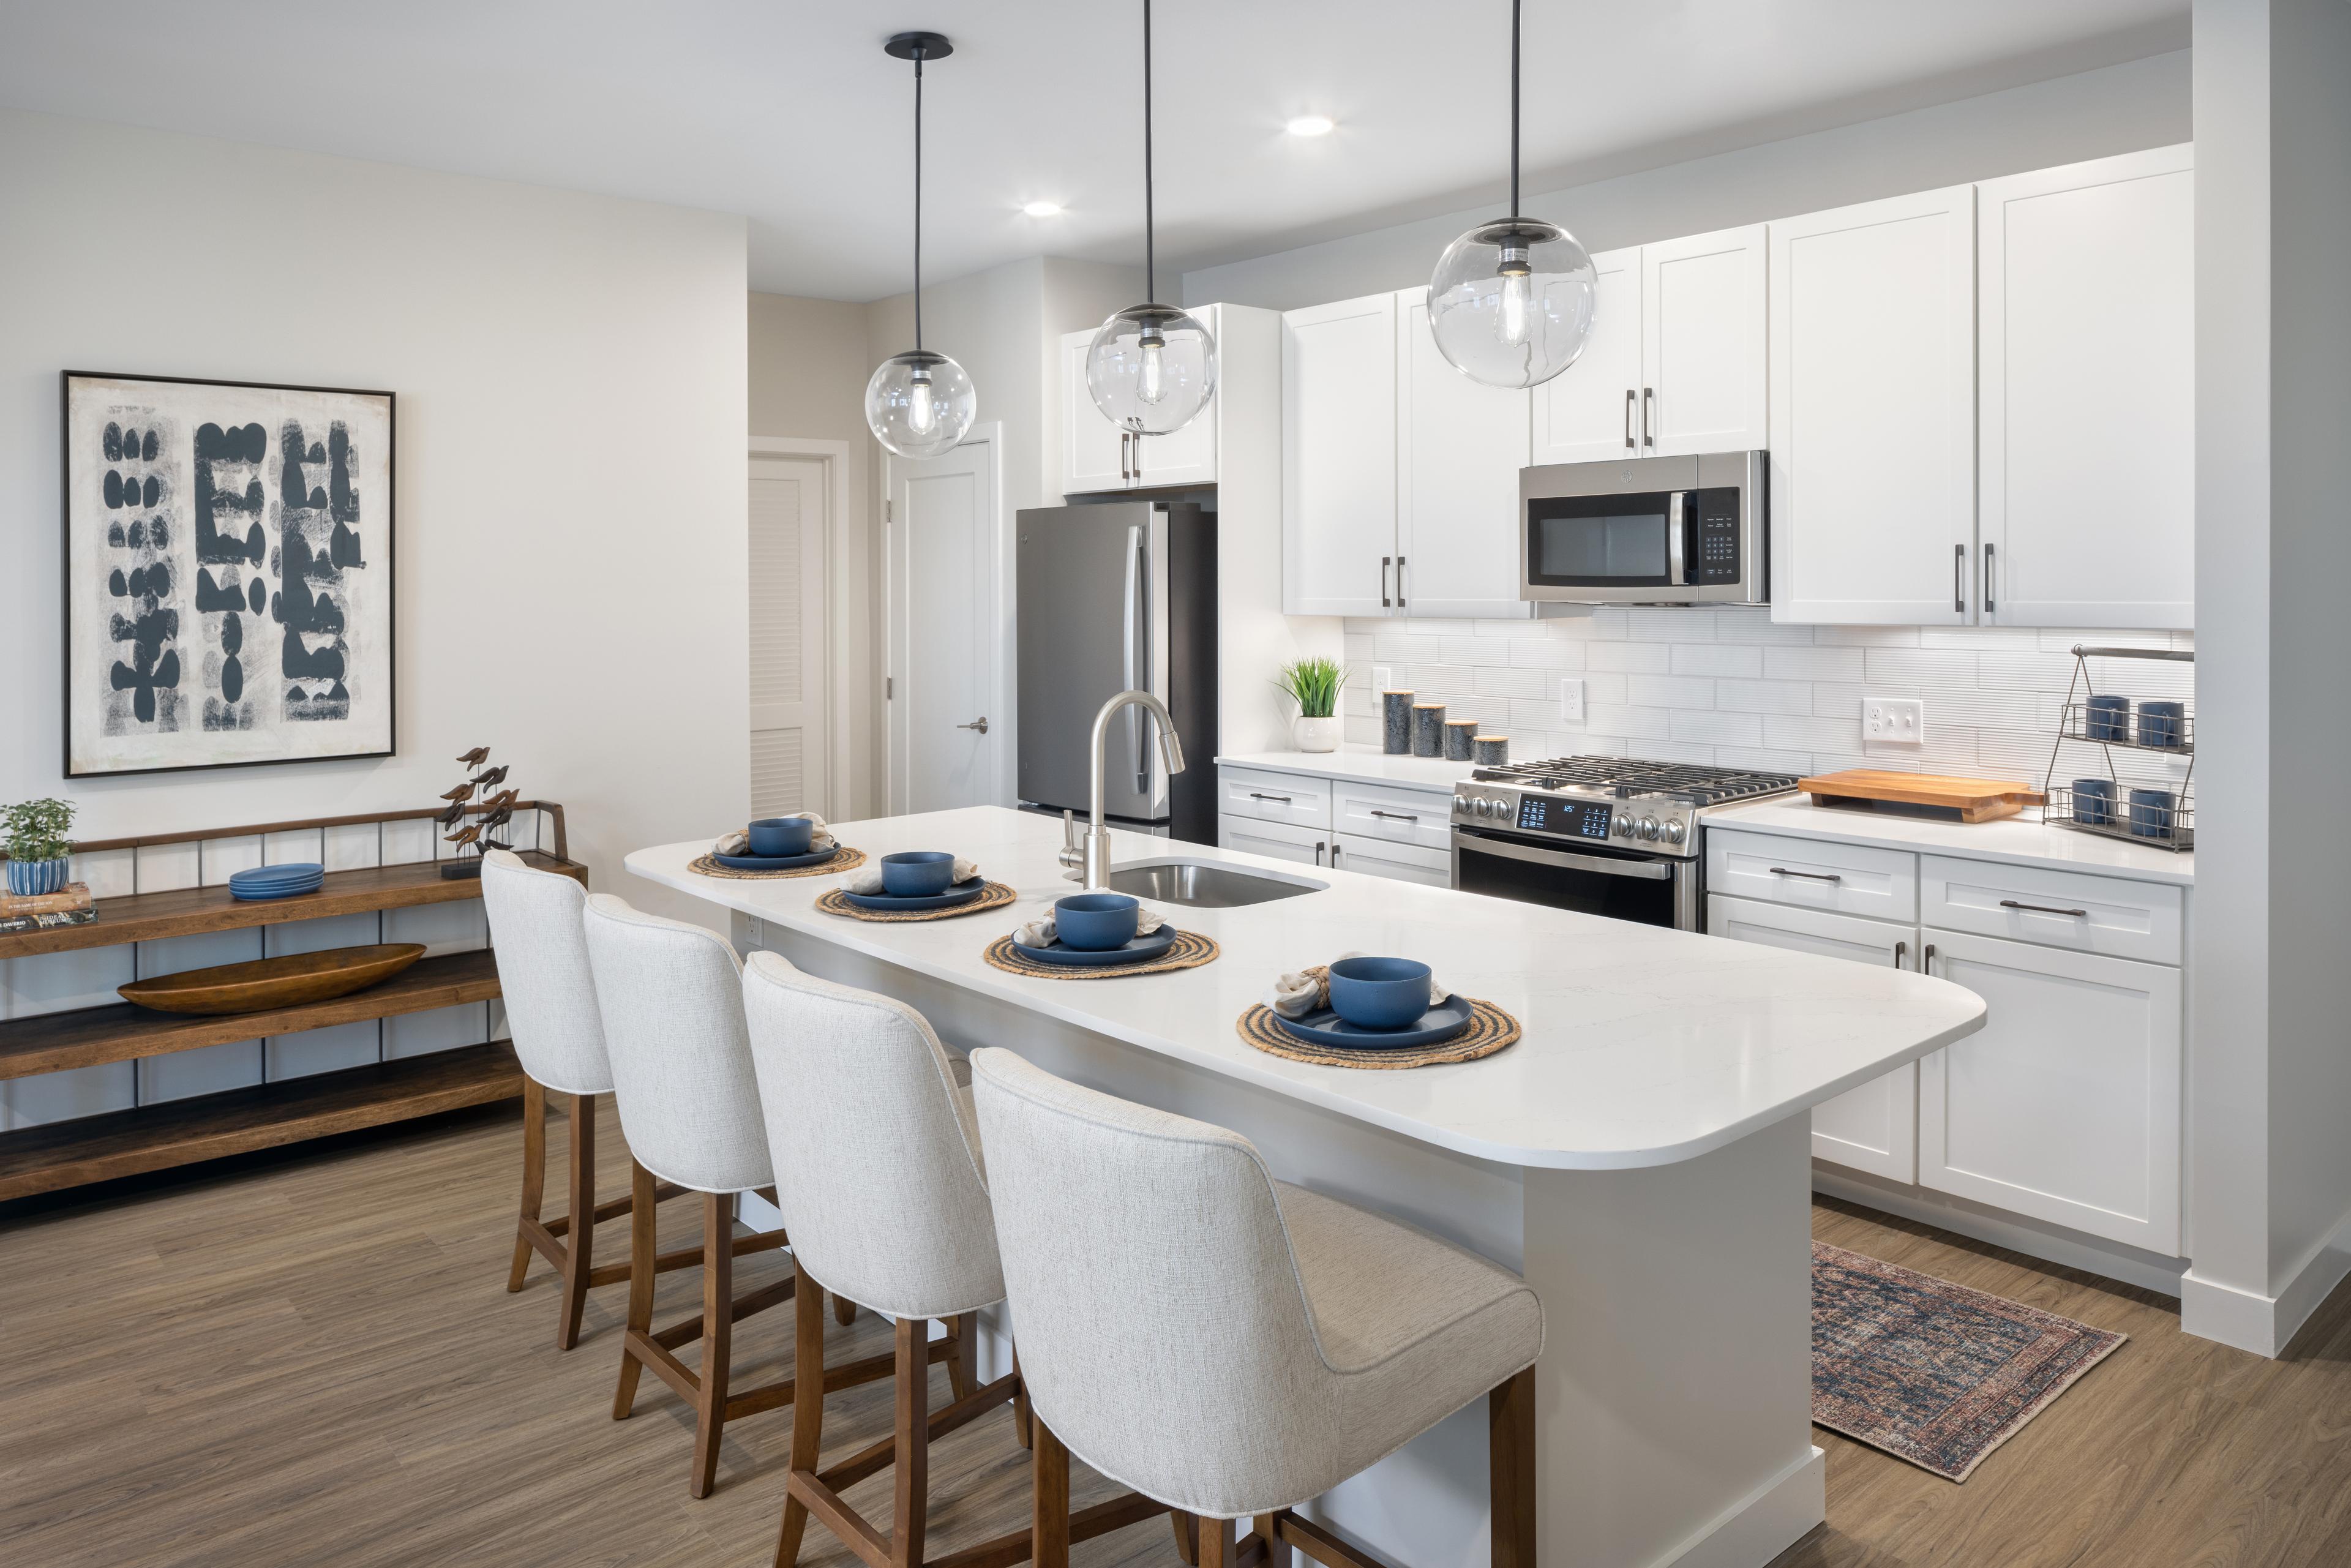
column 1310, row 125
column 1043, row 209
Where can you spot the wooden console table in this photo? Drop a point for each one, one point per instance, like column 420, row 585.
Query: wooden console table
column 205, row 1126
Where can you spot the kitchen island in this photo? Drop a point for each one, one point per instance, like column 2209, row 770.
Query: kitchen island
column 1642, row 1154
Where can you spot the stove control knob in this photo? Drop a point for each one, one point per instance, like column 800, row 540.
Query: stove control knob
column 1675, row 833
column 1625, row 828
column 1497, row 809
column 1460, row 803
column 1649, row 827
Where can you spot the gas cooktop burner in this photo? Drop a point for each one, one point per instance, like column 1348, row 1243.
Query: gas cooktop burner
column 1629, row 777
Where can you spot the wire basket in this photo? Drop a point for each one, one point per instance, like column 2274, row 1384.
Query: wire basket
column 2159, row 817
column 2158, row 814
column 2172, row 734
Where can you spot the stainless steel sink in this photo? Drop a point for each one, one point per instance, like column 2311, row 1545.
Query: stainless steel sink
column 1205, row 884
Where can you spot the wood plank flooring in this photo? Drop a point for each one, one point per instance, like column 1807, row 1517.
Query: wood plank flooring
column 307, row 1357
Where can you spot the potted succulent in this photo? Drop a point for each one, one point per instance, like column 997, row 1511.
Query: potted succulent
column 1313, row 683
column 36, row 845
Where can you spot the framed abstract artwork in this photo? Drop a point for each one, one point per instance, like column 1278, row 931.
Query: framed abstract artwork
column 228, row 574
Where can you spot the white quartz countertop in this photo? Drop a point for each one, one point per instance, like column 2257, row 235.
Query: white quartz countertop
column 1367, row 763
column 1641, row 1046
column 2022, row 840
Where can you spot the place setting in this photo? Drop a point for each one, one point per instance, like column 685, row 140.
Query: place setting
column 1099, row 936
column 915, row 884
column 797, row 845
column 1360, row 1010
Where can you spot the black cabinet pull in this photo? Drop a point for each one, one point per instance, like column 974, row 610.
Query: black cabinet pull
column 1394, row 816
column 1900, row 949
column 1807, row 876
column 1255, row 796
column 2045, row 909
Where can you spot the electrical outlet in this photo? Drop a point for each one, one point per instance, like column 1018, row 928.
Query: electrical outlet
column 1897, row 721
column 1570, row 700
column 1383, row 679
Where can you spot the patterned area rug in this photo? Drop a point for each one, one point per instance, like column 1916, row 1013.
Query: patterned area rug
column 1931, row 1372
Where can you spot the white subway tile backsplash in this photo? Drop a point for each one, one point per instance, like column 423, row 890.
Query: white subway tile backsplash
column 1718, row 659
column 1649, row 658
column 1509, row 681
column 1668, row 625
column 1547, row 653
column 1866, row 636
column 1670, row 691
column 1918, row 666
column 1718, row 729
column 1812, row 663
column 1633, row 724
column 1763, row 696
column 1789, row 732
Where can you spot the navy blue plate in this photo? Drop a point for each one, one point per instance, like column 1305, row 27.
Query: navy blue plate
column 1323, row 1027
column 1141, row 950
column 252, row 894
column 776, row 862
column 286, row 871
column 961, row 892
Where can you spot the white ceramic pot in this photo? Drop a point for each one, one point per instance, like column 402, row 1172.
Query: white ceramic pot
column 1318, row 734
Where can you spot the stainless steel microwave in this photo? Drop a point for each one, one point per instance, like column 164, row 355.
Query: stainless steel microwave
column 1651, row 530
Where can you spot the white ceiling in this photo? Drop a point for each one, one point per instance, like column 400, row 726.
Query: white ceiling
column 789, row 112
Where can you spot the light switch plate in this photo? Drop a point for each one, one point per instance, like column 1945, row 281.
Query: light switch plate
column 1570, row 700
column 1895, row 721
column 1383, row 679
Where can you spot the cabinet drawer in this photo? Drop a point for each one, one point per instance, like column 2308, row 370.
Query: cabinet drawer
column 2106, row 915
column 1813, row 873
column 1276, row 797
column 1397, row 816
column 1399, row 861
column 1276, row 840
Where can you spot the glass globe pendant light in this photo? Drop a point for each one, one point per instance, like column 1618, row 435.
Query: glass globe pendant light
column 1152, row 368
column 919, row 404
column 1510, row 302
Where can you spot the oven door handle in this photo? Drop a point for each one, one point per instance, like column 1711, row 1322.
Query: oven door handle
column 1646, row 871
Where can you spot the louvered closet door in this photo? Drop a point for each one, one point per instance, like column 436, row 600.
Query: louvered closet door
column 786, row 578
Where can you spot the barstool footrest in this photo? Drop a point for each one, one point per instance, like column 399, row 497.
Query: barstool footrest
column 879, row 1456
column 1100, row 1518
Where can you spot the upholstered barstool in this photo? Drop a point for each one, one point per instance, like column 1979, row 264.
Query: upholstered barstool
column 550, row 1002
column 1228, row 1343
column 884, row 1188
column 670, row 998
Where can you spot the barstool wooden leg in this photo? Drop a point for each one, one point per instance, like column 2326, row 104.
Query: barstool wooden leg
column 1048, row 1508
column 717, row 1336
column 1269, row 1531
column 913, row 1470
column 534, row 1176
column 808, row 1407
column 962, row 1334
column 1510, row 1461
column 1023, row 1429
column 581, row 1242
column 844, row 1311
column 642, row 1242
column 1217, row 1547
column 1187, row 1537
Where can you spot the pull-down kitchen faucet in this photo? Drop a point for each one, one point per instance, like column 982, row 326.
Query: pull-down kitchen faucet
column 1092, row 858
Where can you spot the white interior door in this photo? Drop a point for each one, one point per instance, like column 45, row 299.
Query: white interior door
column 949, row 728
column 1703, row 311
column 1588, row 412
column 791, row 520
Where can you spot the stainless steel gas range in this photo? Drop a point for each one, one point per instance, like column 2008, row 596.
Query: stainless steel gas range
column 1605, row 835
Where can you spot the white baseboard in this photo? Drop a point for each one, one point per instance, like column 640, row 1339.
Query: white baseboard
column 2067, row 1249
column 2264, row 1325
column 1774, row 1517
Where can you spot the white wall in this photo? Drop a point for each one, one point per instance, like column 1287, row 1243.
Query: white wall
column 571, row 529
column 2119, row 109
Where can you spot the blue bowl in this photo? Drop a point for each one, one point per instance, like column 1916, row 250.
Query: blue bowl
column 1094, row 922
column 1379, row 993
column 772, row 836
column 917, row 874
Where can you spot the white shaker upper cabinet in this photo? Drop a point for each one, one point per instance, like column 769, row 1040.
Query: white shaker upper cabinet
column 1872, row 413
column 1186, row 457
column 2086, row 277
column 1591, row 411
column 1095, row 454
column 1459, row 447
column 1339, row 458
column 1702, row 362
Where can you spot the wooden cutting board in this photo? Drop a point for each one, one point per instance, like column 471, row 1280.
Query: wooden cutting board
column 261, row 984
column 1973, row 799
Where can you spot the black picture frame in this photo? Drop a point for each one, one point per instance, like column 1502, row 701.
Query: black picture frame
column 383, row 546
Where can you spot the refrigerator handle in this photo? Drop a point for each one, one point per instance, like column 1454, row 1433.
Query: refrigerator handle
column 1137, row 542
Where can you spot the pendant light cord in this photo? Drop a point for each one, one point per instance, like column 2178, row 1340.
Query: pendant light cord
column 1150, row 268
column 919, row 199
column 1514, row 105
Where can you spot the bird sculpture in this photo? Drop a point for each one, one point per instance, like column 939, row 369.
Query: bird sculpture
column 476, row 756
column 490, row 778
column 462, row 792
column 491, row 812
column 464, row 835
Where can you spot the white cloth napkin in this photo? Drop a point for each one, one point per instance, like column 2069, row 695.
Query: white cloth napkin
column 1040, row 933
column 738, row 842
column 869, row 880
column 1297, row 992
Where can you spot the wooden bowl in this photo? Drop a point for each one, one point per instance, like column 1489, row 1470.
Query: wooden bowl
column 262, row 984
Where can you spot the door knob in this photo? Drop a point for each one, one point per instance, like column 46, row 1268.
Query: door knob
column 979, row 723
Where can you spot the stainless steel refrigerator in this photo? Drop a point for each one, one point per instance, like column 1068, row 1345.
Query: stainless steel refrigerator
column 1114, row 595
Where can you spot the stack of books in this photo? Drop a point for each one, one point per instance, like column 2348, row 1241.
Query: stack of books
column 70, row 906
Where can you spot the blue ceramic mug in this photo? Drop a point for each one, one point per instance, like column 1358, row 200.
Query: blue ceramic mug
column 1379, row 993
column 1095, row 922
column 917, row 874
column 2093, row 802
column 2151, row 811
column 2107, row 718
column 782, row 835
column 2162, row 725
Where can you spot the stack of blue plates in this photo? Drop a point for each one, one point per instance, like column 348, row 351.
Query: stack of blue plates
column 277, row 881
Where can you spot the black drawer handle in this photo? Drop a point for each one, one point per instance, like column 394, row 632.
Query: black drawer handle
column 1255, row 796
column 1394, row 816
column 2044, row 909
column 1807, row 876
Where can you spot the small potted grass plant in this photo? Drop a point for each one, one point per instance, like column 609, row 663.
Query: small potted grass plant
column 36, row 845
column 1313, row 683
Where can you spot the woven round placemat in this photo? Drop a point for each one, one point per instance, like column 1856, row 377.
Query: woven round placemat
column 1191, row 951
column 847, row 860
column 994, row 896
column 1490, row 1029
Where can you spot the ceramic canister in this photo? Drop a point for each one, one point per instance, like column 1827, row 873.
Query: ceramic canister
column 1458, row 734
column 1428, row 730
column 1395, row 723
column 1491, row 750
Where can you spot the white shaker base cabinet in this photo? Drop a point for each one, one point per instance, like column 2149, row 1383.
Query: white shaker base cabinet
column 1380, row 829
column 1399, row 863
column 2066, row 1106
column 1873, row 1128
column 1276, row 840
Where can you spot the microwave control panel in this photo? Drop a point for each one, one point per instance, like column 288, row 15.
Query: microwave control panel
column 1718, row 536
